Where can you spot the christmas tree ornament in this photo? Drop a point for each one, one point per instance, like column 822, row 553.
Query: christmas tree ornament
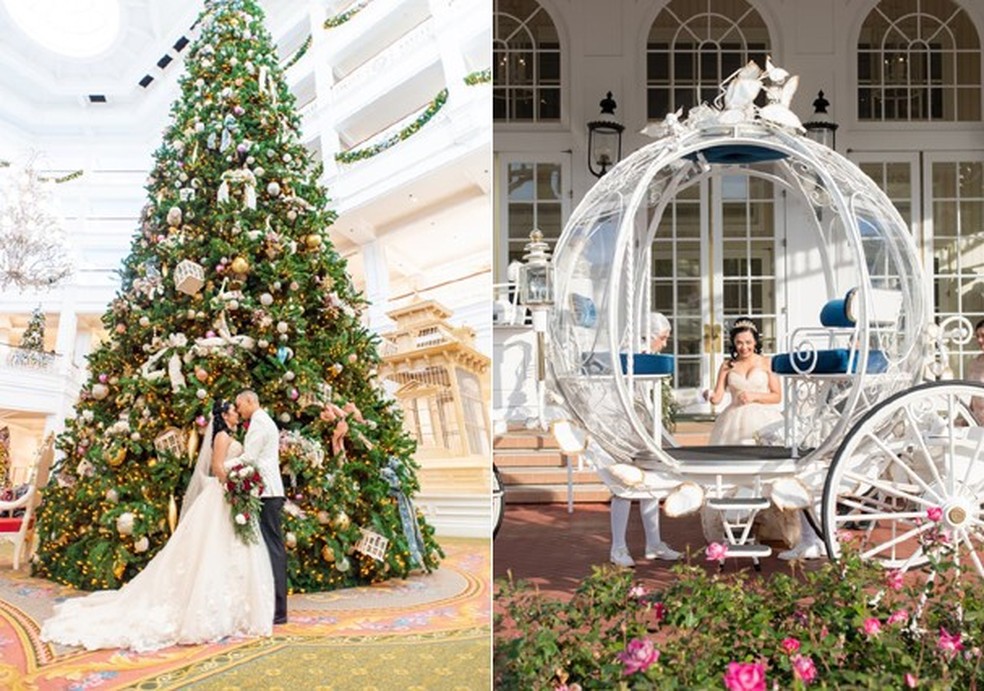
column 100, row 391
column 189, row 277
column 172, row 514
column 193, row 440
column 124, row 523
column 170, row 441
column 141, row 545
column 174, row 216
column 240, row 265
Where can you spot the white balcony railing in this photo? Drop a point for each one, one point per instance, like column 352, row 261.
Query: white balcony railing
column 421, row 36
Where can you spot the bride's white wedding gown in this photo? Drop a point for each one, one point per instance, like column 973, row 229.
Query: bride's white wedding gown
column 204, row 585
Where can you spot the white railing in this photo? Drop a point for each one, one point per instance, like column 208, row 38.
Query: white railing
column 506, row 310
column 422, row 34
column 14, row 357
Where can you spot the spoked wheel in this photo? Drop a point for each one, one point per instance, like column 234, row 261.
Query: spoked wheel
column 911, row 472
column 498, row 501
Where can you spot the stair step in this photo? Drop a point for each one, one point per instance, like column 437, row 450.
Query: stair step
column 749, row 551
column 512, row 476
column 738, row 504
column 521, row 459
column 525, row 440
column 552, row 494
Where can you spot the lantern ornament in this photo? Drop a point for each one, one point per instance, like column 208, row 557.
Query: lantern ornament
column 170, row 441
column 372, row 544
column 189, row 277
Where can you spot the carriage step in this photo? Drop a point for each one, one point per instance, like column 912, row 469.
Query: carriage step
column 749, row 551
column 738, row 504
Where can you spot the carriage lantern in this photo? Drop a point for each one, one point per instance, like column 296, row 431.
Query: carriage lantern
column 536, row 284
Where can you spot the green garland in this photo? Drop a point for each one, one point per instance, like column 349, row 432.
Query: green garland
column 340, row 19
column 300, row 53
column 354, row 155
column 63, row 178
column 479, row 77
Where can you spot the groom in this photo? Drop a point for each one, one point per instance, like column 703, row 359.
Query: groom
column 262, row 449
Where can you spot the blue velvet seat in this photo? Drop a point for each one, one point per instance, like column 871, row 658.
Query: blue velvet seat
column 838, row 316
column 647, row 363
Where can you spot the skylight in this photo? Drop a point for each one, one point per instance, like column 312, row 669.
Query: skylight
column 74, row 28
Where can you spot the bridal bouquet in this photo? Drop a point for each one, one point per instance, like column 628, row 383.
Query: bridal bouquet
column 243, row 488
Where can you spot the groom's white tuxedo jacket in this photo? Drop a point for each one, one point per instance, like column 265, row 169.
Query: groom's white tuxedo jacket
column 262, row 449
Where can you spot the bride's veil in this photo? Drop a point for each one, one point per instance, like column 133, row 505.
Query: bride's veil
column 201, row 474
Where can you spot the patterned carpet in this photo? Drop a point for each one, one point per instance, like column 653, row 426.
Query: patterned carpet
column 426, row 632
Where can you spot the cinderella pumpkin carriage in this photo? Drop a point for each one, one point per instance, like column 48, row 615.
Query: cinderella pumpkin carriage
column 865, row 449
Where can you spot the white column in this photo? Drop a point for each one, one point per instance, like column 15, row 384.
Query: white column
column 377, row 284
column 67, row 328
column 452, row 60
column 324, row 81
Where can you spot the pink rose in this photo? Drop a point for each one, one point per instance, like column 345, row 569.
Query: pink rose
column 717, row 551
column 950, row 643
column 894, row 579
column 803, row 668
column 911, row 681
column 637, row 592
column 790, row 645
column 872, row 626
column 745, row 676
column 934, row 513
column 899, row 617
column 639, row 655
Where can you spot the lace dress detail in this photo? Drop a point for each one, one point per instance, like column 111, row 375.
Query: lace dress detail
column 737, row 424
column 204, row 585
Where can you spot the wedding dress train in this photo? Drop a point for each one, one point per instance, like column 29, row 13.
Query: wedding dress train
column 204, row 585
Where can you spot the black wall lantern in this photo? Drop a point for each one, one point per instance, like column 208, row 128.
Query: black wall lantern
column 604, row 139
column 820, row 129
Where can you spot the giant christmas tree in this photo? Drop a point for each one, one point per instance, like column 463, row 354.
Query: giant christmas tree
column 231, row 283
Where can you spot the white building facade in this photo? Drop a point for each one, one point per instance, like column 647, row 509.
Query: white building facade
column 904, row 80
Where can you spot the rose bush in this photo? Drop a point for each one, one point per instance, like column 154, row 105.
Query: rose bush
column 848, row 624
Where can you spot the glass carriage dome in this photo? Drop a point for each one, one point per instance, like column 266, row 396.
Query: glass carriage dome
column 862, row 264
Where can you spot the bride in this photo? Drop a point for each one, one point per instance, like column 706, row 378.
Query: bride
column 204, row 585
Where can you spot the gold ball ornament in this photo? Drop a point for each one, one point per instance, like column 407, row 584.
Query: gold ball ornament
column 342, row 521
column 240, row 265
column 328, row 554
column 290, row 540
column 201, row 374
column 117, row 458
column 313, row 241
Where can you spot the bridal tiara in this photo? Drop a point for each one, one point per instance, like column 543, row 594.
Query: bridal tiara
column 745, row 324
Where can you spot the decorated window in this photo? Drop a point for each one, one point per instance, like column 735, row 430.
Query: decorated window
column 526, row 59
column 919, row 61
column 693, row 46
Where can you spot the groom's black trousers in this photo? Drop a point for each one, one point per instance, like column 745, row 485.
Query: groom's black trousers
column 271, row 518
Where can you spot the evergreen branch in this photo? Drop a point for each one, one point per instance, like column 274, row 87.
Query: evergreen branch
column 479, row 77
column 341, row 18
column 301, row 52
column 354, row 155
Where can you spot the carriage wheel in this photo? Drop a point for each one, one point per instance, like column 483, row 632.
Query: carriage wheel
column 498, row 501
column 909, row 479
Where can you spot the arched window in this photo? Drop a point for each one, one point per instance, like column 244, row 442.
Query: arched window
column 526, row 55
column 694, row 45
column 919, row 60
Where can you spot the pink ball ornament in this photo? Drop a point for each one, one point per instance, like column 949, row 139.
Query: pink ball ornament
column 103, row 378
column 209, row 334
column 201, row 421
column 294, row 394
